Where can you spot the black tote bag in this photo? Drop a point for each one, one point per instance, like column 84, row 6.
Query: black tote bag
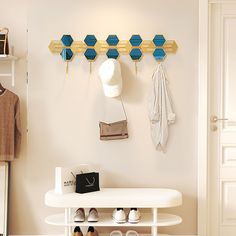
column 87, row 182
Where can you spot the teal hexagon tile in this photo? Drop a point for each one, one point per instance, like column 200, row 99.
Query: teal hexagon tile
column 90, row 40
column 135, row 54
column 112, row 53
column 159, row 54
column 159, row 40
column 135, row 40
column 66, row 54
column 112, row 40
column 67, row 40
column 90, row 54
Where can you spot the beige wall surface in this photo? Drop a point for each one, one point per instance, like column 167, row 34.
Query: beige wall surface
column 14, row 16
column 64, row 111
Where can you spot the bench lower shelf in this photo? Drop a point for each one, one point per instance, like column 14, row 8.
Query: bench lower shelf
column 163, row 219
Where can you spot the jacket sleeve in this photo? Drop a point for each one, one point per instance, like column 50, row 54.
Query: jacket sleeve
column 17, row 128
column 169, row 106
column 153, row 100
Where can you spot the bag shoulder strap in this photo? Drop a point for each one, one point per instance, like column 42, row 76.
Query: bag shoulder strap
column 123, row 107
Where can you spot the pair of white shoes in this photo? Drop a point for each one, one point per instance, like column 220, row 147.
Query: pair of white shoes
column 119, row 215
column 128, row 233
column 80, row 215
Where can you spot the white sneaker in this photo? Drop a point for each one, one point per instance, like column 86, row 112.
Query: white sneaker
column 116, row 233
column 134, row 215
column 93, row 215
column 119, row 215
column 131, row 233
column 79, row 215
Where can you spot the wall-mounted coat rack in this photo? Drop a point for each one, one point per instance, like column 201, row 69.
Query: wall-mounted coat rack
column 135, row 47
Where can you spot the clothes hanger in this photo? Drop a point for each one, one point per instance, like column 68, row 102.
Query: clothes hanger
column 2, row 89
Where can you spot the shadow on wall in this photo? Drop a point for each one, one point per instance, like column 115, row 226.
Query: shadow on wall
column 131, row 85
column 187, row 201
column 16, row 219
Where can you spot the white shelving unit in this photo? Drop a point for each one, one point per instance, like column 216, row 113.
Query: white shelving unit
column 11, row 74
column 149, row 198
column 4, row 168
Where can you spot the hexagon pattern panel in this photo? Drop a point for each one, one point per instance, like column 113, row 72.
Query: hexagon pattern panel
column 113, row 47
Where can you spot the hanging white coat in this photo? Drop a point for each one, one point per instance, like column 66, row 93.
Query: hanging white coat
column 161, row 112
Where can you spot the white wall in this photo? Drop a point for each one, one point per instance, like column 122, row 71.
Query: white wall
column 64, row 112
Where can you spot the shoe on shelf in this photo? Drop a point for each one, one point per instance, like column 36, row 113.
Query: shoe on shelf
column 77, row 231
column 119, row 215
column 116, row 233
column 131, row 233
column 134, row 216
column 79, row 215
column 93, row 215
column 92, row 231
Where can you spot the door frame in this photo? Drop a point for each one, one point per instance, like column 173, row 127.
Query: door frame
column 203, row 113
column 203, row 88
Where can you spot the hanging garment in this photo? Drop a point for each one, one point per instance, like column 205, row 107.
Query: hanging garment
column 10, row 127
column 160, row 108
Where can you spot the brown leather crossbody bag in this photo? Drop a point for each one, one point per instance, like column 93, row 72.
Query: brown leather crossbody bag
column 115, row 130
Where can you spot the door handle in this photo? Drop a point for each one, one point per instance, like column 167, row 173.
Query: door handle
column 214, row 119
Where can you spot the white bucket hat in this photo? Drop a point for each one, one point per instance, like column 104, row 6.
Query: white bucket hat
column 110, row 75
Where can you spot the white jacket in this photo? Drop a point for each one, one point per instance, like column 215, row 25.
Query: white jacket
column 160, row 108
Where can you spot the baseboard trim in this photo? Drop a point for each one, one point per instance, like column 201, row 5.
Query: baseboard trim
column 99, row 234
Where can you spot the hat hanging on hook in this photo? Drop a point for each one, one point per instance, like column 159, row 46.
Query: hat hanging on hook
column 111, row 78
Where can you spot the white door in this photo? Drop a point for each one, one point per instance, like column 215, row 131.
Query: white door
column 222, row 133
